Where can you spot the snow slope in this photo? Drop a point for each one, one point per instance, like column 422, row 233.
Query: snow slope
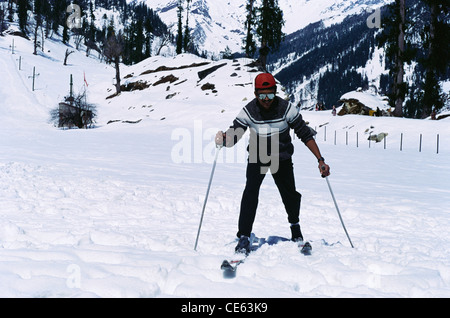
column 298, row 14
column 114, row 211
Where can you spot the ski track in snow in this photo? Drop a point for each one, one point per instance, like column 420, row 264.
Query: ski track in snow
column 107, row 213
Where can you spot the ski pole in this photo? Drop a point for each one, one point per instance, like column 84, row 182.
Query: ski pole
column 337, row 209
column 207, row 193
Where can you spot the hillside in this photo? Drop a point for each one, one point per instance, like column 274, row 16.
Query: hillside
column 322, row 61
column 329, row 47
column 113, row 211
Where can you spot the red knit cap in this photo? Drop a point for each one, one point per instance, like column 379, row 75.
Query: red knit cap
column 264, row 80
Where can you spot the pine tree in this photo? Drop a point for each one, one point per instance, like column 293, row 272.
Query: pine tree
column 38, row 18
column 58, row 15
column 250, row 45
column 187, row 37
column 22, row 12
column 113, row 50
column 399, row 84
column 91, row 35
column 180, row 28
column 270, row 23
column 269, row 28
column 436, row 40
column 398, row 52
column 148, row 37
column 2, row 19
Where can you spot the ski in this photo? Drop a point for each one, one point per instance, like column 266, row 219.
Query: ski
column 305, row 248
column 229, row 267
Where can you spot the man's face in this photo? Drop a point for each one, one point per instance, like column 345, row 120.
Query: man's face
column 266, row 97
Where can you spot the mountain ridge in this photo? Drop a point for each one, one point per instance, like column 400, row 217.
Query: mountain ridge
column 228, row 18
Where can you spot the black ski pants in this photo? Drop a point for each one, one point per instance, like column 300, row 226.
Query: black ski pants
column 285, row 182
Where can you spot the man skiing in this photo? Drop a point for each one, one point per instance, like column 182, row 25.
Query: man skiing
column 270, row 119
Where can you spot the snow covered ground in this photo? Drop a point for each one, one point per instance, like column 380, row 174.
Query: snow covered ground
column 114, row 211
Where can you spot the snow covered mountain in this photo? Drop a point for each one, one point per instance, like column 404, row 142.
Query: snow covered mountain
column 218, row 24
column 298, row 14
column 320, row 62
column 215, row 24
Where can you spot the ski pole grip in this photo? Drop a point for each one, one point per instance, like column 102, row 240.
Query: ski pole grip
column 224, row 139
column 323, row 168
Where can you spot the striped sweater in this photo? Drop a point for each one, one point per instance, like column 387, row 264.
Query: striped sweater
column 269, row 129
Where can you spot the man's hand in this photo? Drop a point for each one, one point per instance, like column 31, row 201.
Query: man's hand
column 219, row 138
column 324, row 169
